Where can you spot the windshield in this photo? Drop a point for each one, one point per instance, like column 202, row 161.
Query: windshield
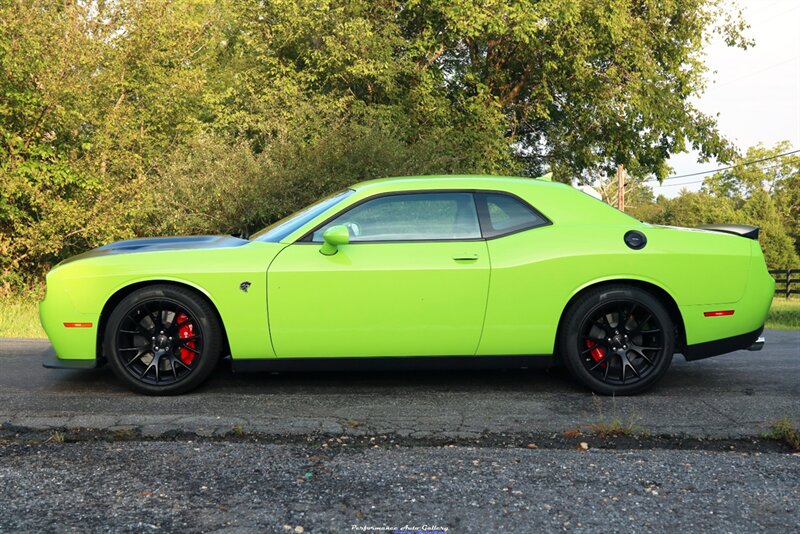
column 279, row 230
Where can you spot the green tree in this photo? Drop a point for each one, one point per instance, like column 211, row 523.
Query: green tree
column 572, row 86
column 774, row 175
column 92, row 97
column 691, row 210
column 586, row 85
column 132, row 118
column 779, row 248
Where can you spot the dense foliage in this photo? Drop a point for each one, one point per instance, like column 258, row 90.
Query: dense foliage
column 121, row 118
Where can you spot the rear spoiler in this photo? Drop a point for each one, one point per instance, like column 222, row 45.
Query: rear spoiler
column 744, row 230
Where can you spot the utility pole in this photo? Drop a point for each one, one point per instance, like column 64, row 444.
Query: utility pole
column 621, row 187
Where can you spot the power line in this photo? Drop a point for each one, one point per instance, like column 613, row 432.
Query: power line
column 701, row 173
column 701, row 180
column 753, row 73
column 744, row 163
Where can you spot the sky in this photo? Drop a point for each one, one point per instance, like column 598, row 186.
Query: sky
column 753, row 93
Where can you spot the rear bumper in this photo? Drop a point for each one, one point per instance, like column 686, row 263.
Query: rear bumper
column 51, row 361
column 750, row 341
column 758, row 344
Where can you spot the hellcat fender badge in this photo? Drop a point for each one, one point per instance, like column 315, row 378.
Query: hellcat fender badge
column 244, row 285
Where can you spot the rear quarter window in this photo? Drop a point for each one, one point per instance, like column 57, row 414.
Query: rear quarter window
column 505, row 214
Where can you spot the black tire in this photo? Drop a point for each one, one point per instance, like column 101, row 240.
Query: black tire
column 163, row 340
column 617, row 340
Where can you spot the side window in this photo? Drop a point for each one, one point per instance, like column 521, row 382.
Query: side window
column 505, row 214
column 410, row 217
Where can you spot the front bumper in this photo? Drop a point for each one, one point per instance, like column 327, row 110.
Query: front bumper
column 51, row 361
column 750, row 341
column 55, row 310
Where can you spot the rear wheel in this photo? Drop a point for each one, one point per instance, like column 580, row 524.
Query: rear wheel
column 163, row 340
column 617, row 340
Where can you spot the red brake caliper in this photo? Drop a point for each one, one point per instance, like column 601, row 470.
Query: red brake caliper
column 597, row 353
column 186, row 330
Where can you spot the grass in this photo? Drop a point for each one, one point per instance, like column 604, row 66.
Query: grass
column 784, row 430
column 123, row 434
column 616, row 428
column 784, row 314
column 55, row 437
column 19, row 314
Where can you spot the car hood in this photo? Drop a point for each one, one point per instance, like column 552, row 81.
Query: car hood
column 157, row 244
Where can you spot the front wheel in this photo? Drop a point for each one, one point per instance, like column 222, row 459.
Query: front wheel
column 163, row 340
column 617, row 340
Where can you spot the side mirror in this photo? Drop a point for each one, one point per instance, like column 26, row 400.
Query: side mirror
column 334, row 237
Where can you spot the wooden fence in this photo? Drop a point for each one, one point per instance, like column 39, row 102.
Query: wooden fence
column 784, row 281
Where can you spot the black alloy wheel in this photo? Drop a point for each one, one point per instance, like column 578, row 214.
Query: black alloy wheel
column 160, row 342
column 163, row 340
column 618, row 340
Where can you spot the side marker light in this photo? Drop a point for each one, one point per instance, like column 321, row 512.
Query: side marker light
column 720, row 313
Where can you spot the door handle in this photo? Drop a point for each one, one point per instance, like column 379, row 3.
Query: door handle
column 465, row 257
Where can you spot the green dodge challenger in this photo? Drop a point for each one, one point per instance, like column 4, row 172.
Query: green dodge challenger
column 421, row 271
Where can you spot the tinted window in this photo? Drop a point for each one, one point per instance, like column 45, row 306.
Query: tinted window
column 410, row 217
column 506, row 214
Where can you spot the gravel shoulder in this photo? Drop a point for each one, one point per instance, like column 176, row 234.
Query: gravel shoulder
column 256, row 487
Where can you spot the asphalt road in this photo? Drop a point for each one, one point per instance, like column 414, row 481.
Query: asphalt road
column 729, row 396
column 380, row 452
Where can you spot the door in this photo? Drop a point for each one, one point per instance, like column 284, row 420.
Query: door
column 413, row 281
